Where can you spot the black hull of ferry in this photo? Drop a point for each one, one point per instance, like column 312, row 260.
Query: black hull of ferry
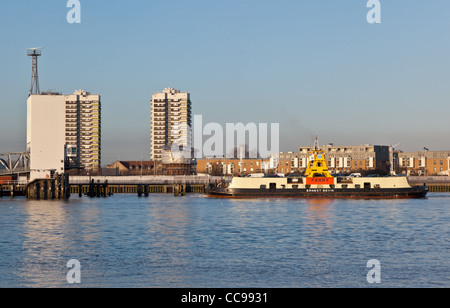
column 385, row 193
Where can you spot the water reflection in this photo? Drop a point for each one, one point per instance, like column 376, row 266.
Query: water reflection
column 44, row 243
column 161, row 241
column 167, row 227
column 318, row 242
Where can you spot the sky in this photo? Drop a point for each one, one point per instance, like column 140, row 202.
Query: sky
column 315, row 67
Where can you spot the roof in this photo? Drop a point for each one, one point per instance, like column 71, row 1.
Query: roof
column 129, row 164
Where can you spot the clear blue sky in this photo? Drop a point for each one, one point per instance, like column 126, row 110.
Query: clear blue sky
column 315, row 67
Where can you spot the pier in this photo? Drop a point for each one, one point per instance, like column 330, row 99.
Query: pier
column 105, row 190
column 45, row 189
column 105, row 186
column 434, row 183
column 12, row 188
column 64, row 186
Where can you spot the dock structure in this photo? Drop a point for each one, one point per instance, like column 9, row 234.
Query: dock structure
column 62, row 186
column 434, row 183
column 57, row 187
column 12, row 189
column 104, row 186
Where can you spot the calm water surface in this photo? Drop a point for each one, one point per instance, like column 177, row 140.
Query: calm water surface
column 194, row 241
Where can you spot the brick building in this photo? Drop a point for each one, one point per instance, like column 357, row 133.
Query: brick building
column 232, row 166
column 340, row 159
column 427, row 163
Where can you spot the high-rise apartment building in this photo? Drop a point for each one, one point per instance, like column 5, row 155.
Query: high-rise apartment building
column 170, row 120
column 83, row 128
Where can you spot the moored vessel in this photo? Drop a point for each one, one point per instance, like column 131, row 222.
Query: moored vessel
column 317, row 182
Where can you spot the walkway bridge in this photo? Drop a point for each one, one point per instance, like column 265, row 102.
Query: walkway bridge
column 16, row 163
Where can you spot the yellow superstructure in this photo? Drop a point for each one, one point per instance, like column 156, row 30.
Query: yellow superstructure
column 317, row 169
column 317, row 166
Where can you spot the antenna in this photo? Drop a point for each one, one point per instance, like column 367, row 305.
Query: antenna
column 34, row 53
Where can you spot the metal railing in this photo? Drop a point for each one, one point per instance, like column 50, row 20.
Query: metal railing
column 132, row 180
column 14, row 163
column 15, row 171
column 15, row 183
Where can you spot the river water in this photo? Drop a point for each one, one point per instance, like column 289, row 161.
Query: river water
column 198, row 242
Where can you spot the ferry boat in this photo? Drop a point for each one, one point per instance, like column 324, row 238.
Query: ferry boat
column 317, row 182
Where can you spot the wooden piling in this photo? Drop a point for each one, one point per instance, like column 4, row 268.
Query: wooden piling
column 53, row 189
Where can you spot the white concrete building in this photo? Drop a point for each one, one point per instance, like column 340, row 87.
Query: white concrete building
column 170, row 120
column 46, row 135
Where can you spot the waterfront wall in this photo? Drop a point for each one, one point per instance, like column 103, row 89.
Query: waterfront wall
column 434, row 183
column 150, row 179
column 429, row 180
